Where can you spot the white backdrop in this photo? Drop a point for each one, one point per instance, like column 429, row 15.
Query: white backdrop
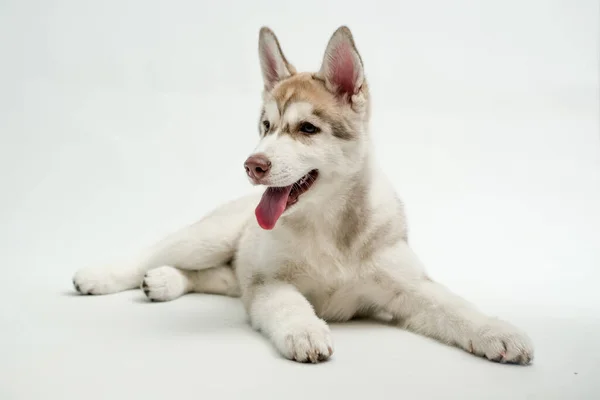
column 121, row 121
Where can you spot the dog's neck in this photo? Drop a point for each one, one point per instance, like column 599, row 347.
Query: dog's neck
column 340, row 198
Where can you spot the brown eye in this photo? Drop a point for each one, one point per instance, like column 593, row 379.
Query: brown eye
column 309, row 128
column 267, row 125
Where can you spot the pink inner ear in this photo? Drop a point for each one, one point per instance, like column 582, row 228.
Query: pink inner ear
column 343, row 72
column 271, row 67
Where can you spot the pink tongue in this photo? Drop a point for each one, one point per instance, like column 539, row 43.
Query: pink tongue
column 271, row 206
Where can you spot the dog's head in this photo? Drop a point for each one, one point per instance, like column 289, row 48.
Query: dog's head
column 313, row 126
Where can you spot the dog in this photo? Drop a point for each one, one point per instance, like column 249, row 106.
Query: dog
column 325, row 242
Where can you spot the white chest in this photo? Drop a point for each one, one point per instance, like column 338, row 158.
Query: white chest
column 333, row 281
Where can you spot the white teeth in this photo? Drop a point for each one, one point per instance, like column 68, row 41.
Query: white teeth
column 303, row 180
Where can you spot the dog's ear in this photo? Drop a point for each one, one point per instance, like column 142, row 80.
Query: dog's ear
column 342, row 67
column 273, row 63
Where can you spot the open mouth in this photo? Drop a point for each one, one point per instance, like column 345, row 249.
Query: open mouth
column 277, row 199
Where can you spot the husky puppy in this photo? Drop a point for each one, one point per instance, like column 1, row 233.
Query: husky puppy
column 325, row 241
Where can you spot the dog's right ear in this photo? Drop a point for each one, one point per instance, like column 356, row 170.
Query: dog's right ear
column 273, row 63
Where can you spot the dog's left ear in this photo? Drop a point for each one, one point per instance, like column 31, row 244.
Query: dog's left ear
column 342, row 67
column 274, row 66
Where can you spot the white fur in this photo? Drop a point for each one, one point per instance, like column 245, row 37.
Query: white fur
column 168, row 283
column 295, row 277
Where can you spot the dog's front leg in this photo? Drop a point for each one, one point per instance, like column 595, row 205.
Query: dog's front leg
column 286, row 317
column 429, row 308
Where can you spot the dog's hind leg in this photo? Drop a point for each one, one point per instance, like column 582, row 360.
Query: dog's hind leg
column 209, row 243
column 168, row 283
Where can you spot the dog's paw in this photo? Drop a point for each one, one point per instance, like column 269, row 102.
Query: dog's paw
column 164, row 284
column 305, row 340
column 99, row 280
column 502, row 342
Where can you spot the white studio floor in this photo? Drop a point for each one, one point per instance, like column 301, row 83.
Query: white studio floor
column 122, row 121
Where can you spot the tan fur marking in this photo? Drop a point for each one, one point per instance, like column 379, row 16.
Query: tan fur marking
column 258, row 279
column 261, row 129
column 289, row 272
column 378, row 278
column 304, row 87
column 353, row 220
column 339, row 127
column 382, row 236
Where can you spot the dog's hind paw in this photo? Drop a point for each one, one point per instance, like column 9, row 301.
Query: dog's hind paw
column 165, row 283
